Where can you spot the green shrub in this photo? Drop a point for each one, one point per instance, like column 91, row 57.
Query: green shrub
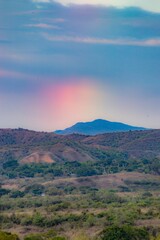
column 8, row 236
column 33, row 237
column 124, row 233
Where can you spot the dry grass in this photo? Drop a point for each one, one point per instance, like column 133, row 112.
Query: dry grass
column 109, row 181
column 38, row 157
column 149, row 222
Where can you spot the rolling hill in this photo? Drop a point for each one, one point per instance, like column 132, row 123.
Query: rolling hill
column 23, row 145
column 97, row 126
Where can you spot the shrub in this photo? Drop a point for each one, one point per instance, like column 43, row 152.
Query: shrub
column 8, row 236
column 124, row 233
column 33, row 237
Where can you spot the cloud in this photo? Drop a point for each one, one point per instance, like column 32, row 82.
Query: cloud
column 19, row 84
column 104, row 41
column 11, row 74
column 14, row 82
column 148, row 5
column 43, row 1
column 42, row 25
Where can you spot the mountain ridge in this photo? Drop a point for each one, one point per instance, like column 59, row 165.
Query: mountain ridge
column 98, row 126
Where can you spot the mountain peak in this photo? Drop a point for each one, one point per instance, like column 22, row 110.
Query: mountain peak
column 97, row 126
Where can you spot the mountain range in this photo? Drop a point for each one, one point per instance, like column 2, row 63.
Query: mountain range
column 98, row 126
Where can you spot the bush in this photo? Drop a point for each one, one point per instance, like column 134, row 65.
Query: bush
column 124, row 233
column 17, row 194
column 33, row 237
column 4, row 191
column 35, row 189
column 51, row 235
column 8, row 236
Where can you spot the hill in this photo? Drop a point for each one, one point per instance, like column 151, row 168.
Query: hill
column 80, row 154
column 97, row 126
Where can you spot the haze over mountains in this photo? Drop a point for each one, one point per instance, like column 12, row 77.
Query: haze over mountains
column 98, row 126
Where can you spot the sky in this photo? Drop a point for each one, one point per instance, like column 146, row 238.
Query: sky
column 67, row 61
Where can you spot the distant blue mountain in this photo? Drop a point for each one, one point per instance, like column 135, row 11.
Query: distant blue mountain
column 97, row 126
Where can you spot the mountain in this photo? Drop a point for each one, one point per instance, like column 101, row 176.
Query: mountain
column 98, row 126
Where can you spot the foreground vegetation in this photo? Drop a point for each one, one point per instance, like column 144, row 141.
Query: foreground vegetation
column 91, row 205
column 110, row 233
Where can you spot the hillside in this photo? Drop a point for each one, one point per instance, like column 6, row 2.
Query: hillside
column 144, row 143
column 114, row 152
column 25, row 145
column 21, row 143
column 97, row 126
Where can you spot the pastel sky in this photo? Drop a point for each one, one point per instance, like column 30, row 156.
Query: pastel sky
column 66, row 61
